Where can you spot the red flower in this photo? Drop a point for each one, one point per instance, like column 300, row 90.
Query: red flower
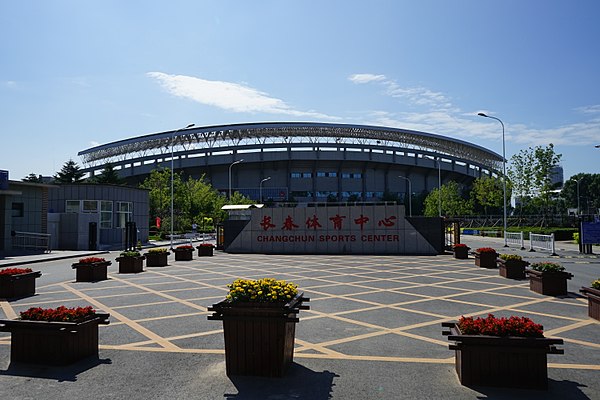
column 492, row 326
column 485, row 250
column 206, row 245
column 185, row 247
column 60, row 314
column 460, row 245
column 91, row 260
column 15, row 271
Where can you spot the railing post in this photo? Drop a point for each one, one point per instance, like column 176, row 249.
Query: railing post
column 531, row 241
column 522, row 240
column 553, row 248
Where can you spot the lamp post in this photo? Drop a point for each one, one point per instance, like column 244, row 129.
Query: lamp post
column 172, row 139
column 578, row 180
column 439, row 160
column 260, row 188
column 503, row 169
column 409, row 194
column 232, row 164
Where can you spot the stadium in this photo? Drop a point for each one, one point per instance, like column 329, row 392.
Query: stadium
column 300, row 161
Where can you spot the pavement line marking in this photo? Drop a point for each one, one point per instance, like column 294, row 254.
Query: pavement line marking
column 566, row 328
column 595, row 367
column 133, row 325
column 582, row 343
column 167, row 296
column 188, row 336
column 313, row 346
column 8, row 310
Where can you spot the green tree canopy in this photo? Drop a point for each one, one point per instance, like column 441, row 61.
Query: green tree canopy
column 488, row 192
column 108, row 175
column 589, row 192
column 33, row 178
column 452, row 200
column 70, row 173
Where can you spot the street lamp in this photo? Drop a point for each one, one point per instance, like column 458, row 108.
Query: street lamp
column 260, row 188
column 577, row 180
column 409, row 194
column 503, row 169
column 439, row 160
column 172, row 168
column 232, row 164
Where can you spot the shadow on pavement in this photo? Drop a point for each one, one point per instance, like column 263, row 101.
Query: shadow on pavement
column 556, row 390
column 58, row 373
column 299, row 383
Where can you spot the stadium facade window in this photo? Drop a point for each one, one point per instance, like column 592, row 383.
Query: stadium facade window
column 106, row 214
column 124, row 213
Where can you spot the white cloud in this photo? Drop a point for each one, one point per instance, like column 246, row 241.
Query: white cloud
column 595, row 109
column 10, row 84
column 366, row 78
column 228, row 95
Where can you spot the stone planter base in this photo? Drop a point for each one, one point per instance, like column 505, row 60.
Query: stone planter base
column 461, row 253
column 92, row 272
column 501, row 361
column 548, row 283
column 156, row 259
column 486, row 260
column 17, row 286
column 184, row 254
column 53, row 343
column 259, row 337
column 205, row 251
column 593, row 296
column 512, row 269
column 131, row 265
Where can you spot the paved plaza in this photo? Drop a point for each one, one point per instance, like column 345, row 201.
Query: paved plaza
column 373, row 330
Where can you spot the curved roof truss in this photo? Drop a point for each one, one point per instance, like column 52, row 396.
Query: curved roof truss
column 288, row 132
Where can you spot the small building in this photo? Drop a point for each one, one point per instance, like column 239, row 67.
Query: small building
column 23, row 215
column 93, row 216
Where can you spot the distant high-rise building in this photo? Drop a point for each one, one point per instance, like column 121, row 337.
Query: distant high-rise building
column 557, row 177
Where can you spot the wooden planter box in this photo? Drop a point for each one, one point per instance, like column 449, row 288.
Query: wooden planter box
column 53, row 343
column 593, row 296
column 486, row 260
column 184, row 254
column 131, row 265
column 512, row 269
column 548, row 283
column 259, row 337
column 205, row 251
column 92, row 272
column 156, row 259
column 461, row 253
column 20, row 285
column 501, row 361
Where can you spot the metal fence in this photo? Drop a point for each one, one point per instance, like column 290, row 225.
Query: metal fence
column 32, row 240
column 542, row 242
column 515, row 238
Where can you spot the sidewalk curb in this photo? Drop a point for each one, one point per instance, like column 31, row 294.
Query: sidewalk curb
column 40, row 260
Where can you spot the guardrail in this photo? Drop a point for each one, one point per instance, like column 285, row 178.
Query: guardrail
column 491, row 233
column 31, row 240
column 515, row 238
column 543, row 242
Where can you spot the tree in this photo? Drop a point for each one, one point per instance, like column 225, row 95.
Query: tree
column 33, row 178
column 489, row 192
column 453, row 202
column 589, row 192
column 108, row 176
column 70, row 173
column 531, row 173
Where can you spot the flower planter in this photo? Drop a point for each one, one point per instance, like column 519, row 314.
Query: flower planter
column 461, row 253
column 259, row 337
column 517, row 362
column 54, row 343
column 486, row 260
column 19, row 285
column 91, row 272
column 593, row 296
column 512, row 269
column 205, row 251
column 131, row 265
column 157, row 259
column 184, row 254
column 548, row 283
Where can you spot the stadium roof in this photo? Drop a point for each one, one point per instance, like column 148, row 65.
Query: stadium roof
column 234, row 134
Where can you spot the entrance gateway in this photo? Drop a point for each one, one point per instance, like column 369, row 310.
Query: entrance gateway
column 362, row 229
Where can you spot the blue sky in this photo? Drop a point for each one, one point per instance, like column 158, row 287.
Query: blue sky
column 74, row 74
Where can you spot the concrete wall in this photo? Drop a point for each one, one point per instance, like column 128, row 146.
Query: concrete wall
column 335, row 230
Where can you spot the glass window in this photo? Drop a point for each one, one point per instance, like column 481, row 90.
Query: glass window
column 17, row 209
column 106, row 213
column 295, row 175
column 124, row 213
column 72, row 206
column 321, row 174
column 332, row 174
column 345, row 175
column 90, row 206
column 307, row 174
